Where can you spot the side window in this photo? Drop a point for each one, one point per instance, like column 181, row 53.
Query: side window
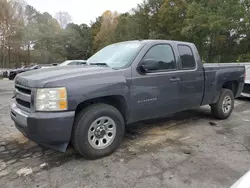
column 164, row 55
column 187, row 57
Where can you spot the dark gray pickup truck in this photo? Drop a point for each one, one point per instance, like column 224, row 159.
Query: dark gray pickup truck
column 122, row 83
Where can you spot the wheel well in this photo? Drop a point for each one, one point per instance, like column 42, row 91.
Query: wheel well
column 114, row 100
column 232, row 85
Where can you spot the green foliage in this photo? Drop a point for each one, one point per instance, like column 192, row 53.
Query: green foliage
column 77, row 41
column 127, row 28
column 106, row 33
column 244, row 58
column 220, row 29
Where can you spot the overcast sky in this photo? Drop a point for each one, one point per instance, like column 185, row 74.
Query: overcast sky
column 83, row 11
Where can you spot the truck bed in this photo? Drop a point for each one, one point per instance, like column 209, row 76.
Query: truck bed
column 215, row 76
column 222, row 65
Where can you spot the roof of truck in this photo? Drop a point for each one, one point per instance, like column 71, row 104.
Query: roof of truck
column 157, row 41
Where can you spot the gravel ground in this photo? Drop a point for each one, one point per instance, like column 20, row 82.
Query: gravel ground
column 188, row 149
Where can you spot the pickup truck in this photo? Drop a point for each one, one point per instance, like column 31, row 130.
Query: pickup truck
column 123, row 83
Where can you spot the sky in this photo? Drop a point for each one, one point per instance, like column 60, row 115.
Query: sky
column 83, row 11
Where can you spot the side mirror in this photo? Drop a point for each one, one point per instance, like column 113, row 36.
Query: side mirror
column 149, row 65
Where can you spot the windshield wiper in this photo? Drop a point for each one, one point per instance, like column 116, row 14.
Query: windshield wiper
column 102, row 64
column 99, row 64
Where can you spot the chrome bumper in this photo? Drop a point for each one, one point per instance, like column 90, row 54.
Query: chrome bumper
column 19, row 116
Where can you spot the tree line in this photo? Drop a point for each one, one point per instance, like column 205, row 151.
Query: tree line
column 220, row 29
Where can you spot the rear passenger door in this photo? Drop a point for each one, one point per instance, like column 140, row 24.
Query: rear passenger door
column 192, row 77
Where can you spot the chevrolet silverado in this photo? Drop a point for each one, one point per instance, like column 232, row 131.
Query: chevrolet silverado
column 122, row 83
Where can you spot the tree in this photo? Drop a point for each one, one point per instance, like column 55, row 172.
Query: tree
column 77, row 41
column 4, row 9
column 106, row 33
column 215, row 26
column 95, row 28
column 142, row 19
column 172, row 15
column 127, row 28
column 220, row 30
column 30, row 30
column 48, row 31
column 63, row 18
column 12, row 24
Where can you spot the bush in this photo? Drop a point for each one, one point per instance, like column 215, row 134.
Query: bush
column 244, row 58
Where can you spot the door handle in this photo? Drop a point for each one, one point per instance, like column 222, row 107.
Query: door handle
column 174, row 79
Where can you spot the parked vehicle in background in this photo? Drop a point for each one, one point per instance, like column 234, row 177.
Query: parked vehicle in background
column 246, row 90
column 121, row 84
column 2, row 73
column 243, row 182
column 73, row 62
column 13, row 73
column 5, row 74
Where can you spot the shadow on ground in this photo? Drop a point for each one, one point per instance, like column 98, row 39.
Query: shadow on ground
column 26, row 150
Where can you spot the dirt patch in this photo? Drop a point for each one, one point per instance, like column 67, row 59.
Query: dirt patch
column 247, row 142
column 224, row 131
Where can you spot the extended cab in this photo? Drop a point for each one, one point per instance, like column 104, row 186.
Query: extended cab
column 122, row 83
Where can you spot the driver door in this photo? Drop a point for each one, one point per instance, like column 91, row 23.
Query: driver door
column 156, row 93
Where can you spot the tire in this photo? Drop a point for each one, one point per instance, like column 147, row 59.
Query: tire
column 94, row 117
column 12, row 77
column 219, row 110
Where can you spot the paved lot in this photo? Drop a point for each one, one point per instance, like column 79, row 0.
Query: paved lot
column 189, row 149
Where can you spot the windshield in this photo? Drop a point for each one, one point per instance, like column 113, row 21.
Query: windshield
column 118, row 55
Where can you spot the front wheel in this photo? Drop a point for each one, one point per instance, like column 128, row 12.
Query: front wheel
column 224, row 106
column 98, row 131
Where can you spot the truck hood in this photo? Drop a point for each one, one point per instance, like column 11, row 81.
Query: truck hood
column 39, row 78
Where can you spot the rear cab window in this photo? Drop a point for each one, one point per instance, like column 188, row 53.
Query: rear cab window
column 187, row 57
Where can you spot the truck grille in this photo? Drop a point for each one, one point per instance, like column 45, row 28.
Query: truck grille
column 23, row 97
column 23, row 90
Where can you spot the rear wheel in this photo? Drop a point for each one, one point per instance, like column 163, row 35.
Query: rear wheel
column 224, row 106
column 98, row 131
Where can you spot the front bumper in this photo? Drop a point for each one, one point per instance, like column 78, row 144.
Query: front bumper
column 50, row 129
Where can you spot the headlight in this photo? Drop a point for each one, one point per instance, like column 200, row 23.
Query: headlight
column 51, row 99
